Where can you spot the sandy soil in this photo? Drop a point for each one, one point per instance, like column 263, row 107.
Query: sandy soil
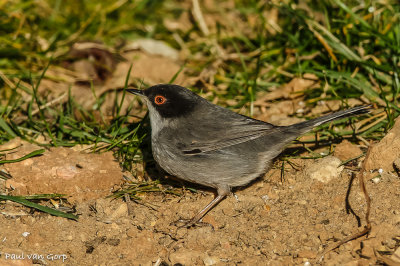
column 276, row 220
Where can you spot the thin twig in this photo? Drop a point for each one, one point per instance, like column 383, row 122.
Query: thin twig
column 367, row 227
column 56, row 100
column 364, row 188
column 373, row 123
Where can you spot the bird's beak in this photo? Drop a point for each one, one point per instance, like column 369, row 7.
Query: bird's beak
column 135, row 91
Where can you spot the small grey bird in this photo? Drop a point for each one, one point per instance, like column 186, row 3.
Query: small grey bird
column 207, row 144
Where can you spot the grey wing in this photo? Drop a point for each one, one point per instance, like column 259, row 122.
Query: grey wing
column 205, row 137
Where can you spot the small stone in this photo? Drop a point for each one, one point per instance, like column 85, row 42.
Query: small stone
column 265, row 198
column 208, row 261
column 346, row 150
column 325, row 169
column 67, row 172
column 122, row 210
column 376, row 179
column 83, row 237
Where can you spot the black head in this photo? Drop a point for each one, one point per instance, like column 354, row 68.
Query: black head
column 170, row 100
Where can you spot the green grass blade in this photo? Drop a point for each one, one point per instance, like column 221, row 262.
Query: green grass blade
column 43, row 196
column 29, row 155
column 39, row 207
column 125, row 86
column 176, row 74
column 6, row 128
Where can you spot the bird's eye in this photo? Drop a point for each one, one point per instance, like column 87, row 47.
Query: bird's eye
column 159, row 100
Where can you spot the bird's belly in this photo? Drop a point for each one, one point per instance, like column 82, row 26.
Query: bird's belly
column 231, row 166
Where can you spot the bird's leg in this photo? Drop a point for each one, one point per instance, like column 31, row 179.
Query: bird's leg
column 222, row 193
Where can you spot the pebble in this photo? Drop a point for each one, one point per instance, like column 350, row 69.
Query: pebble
column 325, row 169
column 66, row 172
column 122, row 210
column 376, row 180
column 265, row 198
column 210, row 260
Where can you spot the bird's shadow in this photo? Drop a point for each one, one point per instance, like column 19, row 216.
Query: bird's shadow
column 349, row 209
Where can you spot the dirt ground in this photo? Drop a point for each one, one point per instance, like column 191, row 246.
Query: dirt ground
column 276, row 220
column 279, row 219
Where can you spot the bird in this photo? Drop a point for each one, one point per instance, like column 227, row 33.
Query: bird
column 207, row 144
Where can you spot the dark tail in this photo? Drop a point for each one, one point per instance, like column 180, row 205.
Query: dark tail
column 306, row 126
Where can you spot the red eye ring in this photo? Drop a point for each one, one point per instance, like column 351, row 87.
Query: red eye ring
column 159, row 100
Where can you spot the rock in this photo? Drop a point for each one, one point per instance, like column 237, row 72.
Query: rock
column 325, row 169
column 384, row 153
column 121, row 211
column 346, row 150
